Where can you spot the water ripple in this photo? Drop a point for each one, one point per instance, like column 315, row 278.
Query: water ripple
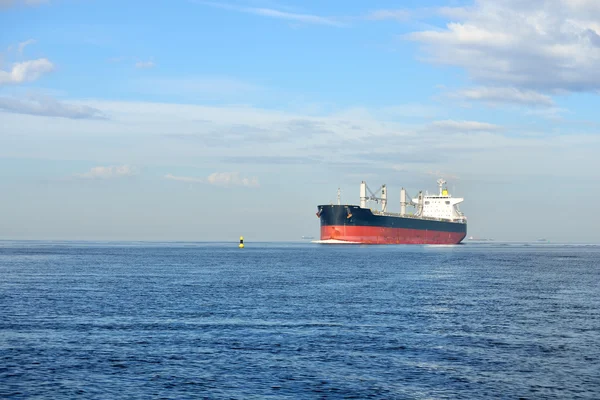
column 298, row 321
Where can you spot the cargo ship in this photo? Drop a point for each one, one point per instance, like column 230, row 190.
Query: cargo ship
column 436, row 219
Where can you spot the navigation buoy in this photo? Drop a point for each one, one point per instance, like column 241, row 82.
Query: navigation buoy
column 241, row 242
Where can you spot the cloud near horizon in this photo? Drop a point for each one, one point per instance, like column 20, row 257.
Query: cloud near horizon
column 219, row 179
column 234, row 135
column 108, row 172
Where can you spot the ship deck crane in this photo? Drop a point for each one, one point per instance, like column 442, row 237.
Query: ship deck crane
column 405, row 198
column 364, row 198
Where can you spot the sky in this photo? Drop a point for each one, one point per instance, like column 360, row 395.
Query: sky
column 206, row 120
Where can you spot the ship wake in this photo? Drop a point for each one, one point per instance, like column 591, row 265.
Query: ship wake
column 334, row 241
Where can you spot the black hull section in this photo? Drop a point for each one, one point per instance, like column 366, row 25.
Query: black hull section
column 336, row 215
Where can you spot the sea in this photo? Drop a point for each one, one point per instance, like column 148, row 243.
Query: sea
column 144, row 320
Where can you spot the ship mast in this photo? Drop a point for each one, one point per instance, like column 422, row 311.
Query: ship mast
column 339, row 196
column 441, row 182
column 402, row 201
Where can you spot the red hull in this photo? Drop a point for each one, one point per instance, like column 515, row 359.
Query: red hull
column 383, row 235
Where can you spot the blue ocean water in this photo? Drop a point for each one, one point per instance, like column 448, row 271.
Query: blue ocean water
column 208, row 320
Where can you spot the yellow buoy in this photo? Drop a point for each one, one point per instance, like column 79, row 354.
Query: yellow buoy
column 241, row 242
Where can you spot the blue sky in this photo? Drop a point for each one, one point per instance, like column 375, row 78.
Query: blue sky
column 200, row 120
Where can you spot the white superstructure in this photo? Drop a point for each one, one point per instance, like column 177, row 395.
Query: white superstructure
column 441, row 206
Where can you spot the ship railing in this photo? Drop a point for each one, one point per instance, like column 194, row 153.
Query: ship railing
column 461, row 220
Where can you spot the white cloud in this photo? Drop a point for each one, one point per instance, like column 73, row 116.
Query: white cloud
column 144, row 64
column 219, row 179
column 48, row 107
column 468, row 126
column 26, row 71
column 498, row 95
column 109, row 172
column 272, row 13
column 547, row 45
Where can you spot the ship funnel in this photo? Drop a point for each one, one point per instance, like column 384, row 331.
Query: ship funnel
column 441, row 182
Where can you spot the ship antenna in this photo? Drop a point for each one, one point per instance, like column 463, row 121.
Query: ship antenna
column 441, row 183
column 339, row 198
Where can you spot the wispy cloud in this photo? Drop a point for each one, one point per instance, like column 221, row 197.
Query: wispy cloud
column 138, row 62
column 506, row 95
column 442, row 174
column 108, row 172
column 26, row 71
column 48, row 107
column 187, row 179
column 144, row 64
column 398, row 15
column 465, row 126
column 219, row 179
column 24, row 44
column 272, row 13
column 469, row 147
column 231, row 178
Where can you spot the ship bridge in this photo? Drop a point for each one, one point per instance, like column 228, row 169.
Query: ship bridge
column 440, row 206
